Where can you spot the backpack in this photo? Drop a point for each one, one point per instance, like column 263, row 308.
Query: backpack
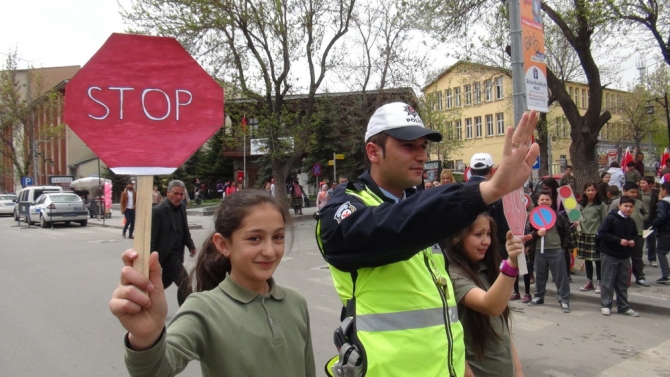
column 297, row 191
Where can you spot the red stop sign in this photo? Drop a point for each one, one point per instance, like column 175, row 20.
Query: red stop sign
column 143, row 104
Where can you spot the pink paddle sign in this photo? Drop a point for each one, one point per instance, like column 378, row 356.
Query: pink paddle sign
column 514, row 207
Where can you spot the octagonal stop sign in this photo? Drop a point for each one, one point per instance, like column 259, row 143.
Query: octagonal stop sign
column 143, row 104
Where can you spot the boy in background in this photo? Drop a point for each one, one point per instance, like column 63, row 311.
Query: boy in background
column 649, row 196
column 631, row 190
column 617, row 237
column 661, row 225
column 612, row 194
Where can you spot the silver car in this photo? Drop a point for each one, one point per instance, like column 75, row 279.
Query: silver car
column 58, row 207
column 7, row 204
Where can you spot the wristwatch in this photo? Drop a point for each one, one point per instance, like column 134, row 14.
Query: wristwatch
column 508, row 270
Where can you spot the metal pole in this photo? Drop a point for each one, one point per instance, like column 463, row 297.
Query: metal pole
column 102, row 193
column 244, row 160
column 549, row 158
column 518, row 83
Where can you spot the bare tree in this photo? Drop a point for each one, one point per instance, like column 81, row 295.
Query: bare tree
column 264, row 48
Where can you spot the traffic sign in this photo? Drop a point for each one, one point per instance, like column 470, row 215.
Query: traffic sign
column 143, row 104
column 542, row 217
column 339, row 156
column 316, row 169
column 467, row 174
column 26, row 181
column 567, row 197
column 527, row 200
column 331, row 162
column 536, row 165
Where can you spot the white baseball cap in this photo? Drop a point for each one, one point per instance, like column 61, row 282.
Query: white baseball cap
column 481, row 161
column 401, row 121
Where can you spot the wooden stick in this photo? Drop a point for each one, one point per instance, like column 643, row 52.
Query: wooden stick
column 142, row 234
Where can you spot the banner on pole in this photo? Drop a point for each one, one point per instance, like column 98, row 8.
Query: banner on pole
column 534, row 65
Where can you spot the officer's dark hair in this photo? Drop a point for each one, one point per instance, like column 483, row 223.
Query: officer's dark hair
column 613, row 190
column 627, row 199
column 480, row 172
column 630, row 186
column 478, row 328
column 378, row 139
column 211, row 266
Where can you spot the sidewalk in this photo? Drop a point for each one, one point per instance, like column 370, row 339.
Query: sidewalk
column 654, row 299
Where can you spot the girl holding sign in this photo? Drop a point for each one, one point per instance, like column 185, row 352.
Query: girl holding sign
column 593, row 212
column 481, row 285
column 237, row 300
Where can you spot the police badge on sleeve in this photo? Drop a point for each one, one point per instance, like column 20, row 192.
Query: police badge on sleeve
column 344, row 211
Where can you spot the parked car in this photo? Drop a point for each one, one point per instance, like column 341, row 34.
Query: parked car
column 7, row 204
column 59, row 207
column 27, row 197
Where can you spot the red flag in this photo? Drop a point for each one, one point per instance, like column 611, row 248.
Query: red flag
column 627, row 157
column 244, row 124
column 664, row 158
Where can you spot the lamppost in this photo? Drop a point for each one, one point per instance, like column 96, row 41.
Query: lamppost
column 663, row 101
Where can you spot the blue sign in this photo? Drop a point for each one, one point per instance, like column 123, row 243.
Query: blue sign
column 26, row 181
column 537, row 163
column 316, row 169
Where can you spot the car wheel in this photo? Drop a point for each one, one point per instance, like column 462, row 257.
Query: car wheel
column 44, row 223
column 83, row 222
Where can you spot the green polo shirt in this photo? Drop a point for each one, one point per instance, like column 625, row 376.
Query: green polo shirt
column 233, row 332
column 497, row 360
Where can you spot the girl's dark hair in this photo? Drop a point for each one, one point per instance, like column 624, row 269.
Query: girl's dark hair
column 602, row 175
column 584, row 200
column 211, row 266
column 478, row 329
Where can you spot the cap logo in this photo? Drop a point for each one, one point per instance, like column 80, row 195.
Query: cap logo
column 412, row 115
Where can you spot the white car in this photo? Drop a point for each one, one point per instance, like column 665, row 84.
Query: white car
column 7, row 204
column 58, row 207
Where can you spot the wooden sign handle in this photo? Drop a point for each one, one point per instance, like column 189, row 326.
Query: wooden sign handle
column 142, row 242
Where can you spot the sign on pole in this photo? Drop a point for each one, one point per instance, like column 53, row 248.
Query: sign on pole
column 144, row 106
column 339, row 156
column 316, row 169
column 534, row 63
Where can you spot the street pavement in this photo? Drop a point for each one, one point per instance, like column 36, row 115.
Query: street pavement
column 57, row 285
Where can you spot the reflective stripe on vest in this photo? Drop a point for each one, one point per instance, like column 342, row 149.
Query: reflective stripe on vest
column 403, row 301
column 414, row 319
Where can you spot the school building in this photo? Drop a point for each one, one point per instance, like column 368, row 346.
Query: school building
column 477, row 102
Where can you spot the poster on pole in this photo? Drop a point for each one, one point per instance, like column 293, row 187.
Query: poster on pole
column 534, row 61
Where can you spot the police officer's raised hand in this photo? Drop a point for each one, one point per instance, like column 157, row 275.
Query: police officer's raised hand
column 519, row 155
column 142, row 314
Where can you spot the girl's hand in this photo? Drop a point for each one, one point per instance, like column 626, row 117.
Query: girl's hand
column 514, row 247
column 142, row 314
column 542, row 232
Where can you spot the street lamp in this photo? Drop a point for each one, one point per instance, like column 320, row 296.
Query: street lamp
column 663, row 101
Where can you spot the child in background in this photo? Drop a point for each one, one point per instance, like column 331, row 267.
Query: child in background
column 557, row 242
column 649, row 196
column 661, row 225
column 593, row 214
column 481, row 284
column 617, row 234
column 613, row 194
column 237, row 299
column 631, row 190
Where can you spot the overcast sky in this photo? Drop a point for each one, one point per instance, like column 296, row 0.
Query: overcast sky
column 50, row 33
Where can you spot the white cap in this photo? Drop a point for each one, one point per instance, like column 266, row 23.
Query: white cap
column 481, row 161
column 401, row 121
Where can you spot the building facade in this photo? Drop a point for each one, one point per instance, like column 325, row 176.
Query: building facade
column 477, row 102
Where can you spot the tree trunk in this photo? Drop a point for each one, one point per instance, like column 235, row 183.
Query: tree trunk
column 584, row 159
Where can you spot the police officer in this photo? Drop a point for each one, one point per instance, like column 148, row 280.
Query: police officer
column 399, row 314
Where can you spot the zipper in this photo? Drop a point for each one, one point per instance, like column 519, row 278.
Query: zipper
column 447, row 322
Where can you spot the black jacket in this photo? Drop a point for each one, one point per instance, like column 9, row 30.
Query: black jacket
column 356, row 236
column 163, row 229
column 613, row 229
column 661, row 224
column 562, row 227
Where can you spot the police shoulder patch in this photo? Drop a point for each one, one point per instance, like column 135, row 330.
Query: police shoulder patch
column 344, row 211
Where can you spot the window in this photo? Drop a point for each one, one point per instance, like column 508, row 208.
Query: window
column 499, row 88
column 500, row 119
column 459, row 165
column 439, row 100
column 478, row 93
column 571, row 91
column 489, row 125
column 607, row 101
column 478, row 126
column 565, row 127
column 449, row 101
column 457, row 96
column 583, row 98
column 459, row 130
column 577, row 97
column 468, row 128
column 450, row 130
column 468, row 95
column 252, row 127
column 487, row 90
column 558, row 127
